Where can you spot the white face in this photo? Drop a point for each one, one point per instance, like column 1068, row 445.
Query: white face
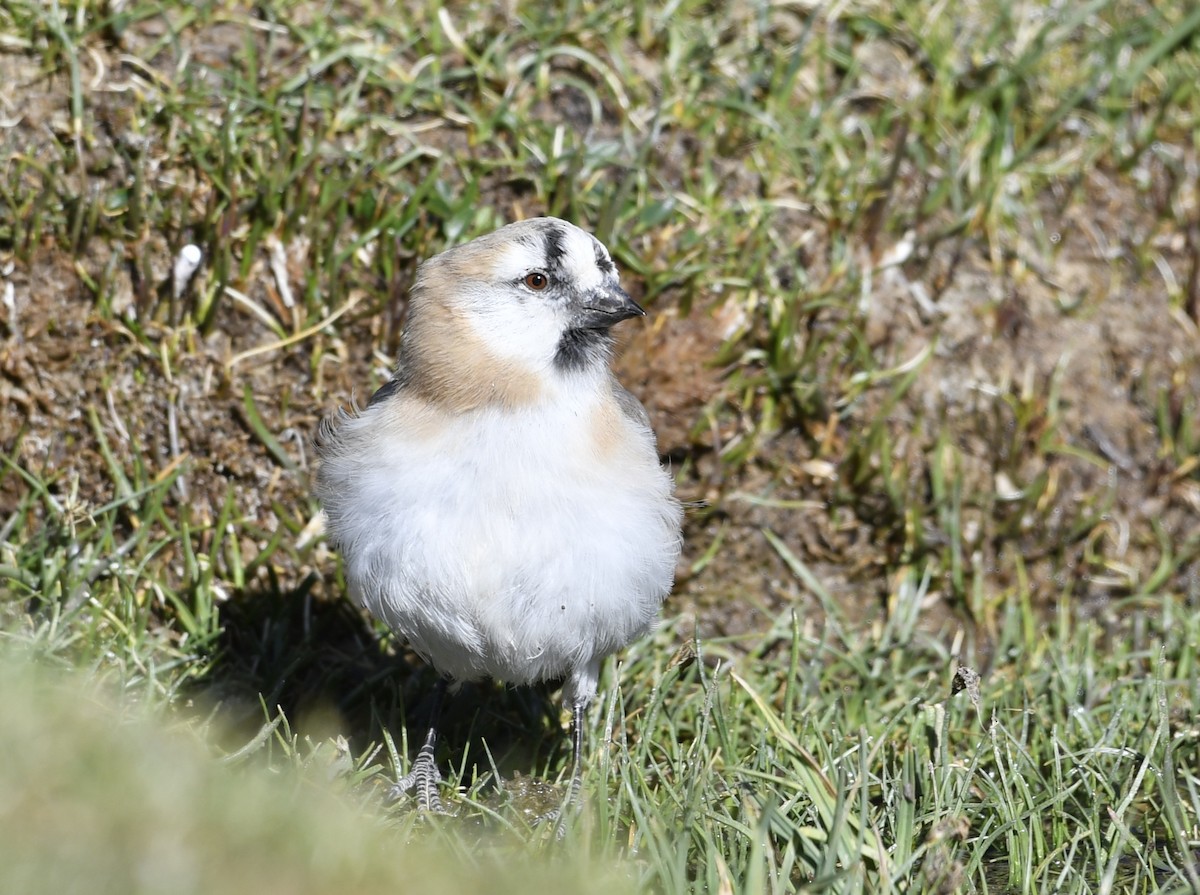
column 580, row 259
column 518, row 321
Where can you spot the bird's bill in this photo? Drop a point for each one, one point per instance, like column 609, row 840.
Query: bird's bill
column 603, row 308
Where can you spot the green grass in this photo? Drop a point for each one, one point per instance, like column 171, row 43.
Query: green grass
column 814, row 761
column 984, row 454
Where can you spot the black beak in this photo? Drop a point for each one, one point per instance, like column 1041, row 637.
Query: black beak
column 601, row 308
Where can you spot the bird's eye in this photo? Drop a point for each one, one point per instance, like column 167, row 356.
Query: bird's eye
column 537, row 281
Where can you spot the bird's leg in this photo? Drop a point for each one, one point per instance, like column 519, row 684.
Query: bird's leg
column 577, row 709
column 424, row 775
column 571, row 802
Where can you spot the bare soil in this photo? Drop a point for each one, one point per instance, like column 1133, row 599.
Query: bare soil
column 1076, row 330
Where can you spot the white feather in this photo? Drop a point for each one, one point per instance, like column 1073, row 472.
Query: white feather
column 501, row 547
column 521, row 534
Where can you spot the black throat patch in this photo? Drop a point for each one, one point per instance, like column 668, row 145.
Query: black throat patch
column 579, row 349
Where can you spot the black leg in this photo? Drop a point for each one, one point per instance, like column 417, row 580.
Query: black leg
column 571, row 802
column 577, row 710
column 424, row 776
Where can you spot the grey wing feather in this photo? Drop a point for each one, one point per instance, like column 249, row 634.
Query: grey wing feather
column 326, row 437
column 631, row 407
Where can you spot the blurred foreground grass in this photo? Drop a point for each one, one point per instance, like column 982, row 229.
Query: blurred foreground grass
column 925, row 284
column 97, row 796
column 814, row 763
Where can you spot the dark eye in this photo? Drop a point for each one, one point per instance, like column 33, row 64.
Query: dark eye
column 537, row 281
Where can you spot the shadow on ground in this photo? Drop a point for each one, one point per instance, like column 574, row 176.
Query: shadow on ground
column 321, row 662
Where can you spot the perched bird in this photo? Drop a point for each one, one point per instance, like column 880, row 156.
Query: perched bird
column 500, row 501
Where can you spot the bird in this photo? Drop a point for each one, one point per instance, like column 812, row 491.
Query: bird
column 500, row 502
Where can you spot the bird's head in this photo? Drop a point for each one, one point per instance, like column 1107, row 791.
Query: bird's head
column 539, row 295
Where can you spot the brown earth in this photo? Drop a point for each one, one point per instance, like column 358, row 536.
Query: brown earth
column 1052, row 361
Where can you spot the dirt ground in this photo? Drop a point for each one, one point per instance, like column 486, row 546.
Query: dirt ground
column 1056, row 362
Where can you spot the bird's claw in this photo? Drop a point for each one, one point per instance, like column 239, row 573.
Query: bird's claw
column 424, row 777
column 559, row 816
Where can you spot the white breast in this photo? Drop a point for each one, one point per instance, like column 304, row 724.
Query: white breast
column 513, row 544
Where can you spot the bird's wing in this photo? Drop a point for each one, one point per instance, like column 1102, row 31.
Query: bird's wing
column 386, row 390
column 631, row 406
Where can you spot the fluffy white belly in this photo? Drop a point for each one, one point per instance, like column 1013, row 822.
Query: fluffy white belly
column 514, row 545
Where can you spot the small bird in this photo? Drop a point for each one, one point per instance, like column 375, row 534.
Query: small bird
column 500, row 502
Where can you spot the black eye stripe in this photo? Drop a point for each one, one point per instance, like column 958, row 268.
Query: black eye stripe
column 555, row 246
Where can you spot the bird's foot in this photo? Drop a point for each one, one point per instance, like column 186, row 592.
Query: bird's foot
column 570, row 807
column 424, row 777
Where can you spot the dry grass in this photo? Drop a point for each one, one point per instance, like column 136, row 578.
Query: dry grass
column 924, row 291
